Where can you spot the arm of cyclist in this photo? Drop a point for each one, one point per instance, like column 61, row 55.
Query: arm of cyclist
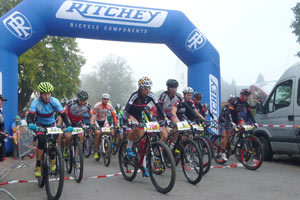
column 115, row 119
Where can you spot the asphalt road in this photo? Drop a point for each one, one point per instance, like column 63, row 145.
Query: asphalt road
column 279, row 179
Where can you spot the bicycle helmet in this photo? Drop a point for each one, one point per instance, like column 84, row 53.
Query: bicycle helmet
column 172, row 83
column 45, row 87
column 105, row 96
column 198, row 95
column 145, row 82
column 245, row 92
column 64, row 101
column 118, row 106
column 83, row 95
column 188, row 90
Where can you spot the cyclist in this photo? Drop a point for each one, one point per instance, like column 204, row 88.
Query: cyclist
column 133, row 114
column 205, row 110
column 186, row 109
column 64, row 102
column 41, row 114
column 101, row 111
column 119, row 113
column 167, row 100
column 75, row 110
column 201, row 108
column 231, row 116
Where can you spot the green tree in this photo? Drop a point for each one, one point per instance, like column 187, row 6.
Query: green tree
column 112, row 76
column 54, row 59
column 296, row 23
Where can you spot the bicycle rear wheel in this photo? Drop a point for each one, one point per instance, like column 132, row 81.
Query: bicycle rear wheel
column 116, row 141
column 106, row 150
column 41, row 180
column 191, row 161
column 78, row 161
column 87, row 146
column 69, row 159
column 205, row 151
column 54, row 180
column 161, row 166
column 128, row 166
column 251, row 153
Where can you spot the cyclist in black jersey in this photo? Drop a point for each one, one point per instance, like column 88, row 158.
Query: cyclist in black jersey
column 230, row 116
column 197, row 100
column 133, row 113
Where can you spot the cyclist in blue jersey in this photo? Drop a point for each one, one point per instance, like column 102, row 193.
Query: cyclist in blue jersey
column 41, row 114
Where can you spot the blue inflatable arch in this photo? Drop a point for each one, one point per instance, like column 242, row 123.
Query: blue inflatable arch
column 32, row 20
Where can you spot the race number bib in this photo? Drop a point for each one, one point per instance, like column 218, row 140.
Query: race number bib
column 152, row 127
column 198, row 127
column 183, row 126
column 77, row 130
column 105, row 130
column 54, row 130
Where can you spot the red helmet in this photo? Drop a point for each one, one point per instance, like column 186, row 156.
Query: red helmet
column 245, row 92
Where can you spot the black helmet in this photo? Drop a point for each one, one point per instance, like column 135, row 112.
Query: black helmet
column 172, row 83
column 245, row 92
column 198, row 95
column 118, row 106
column 82, row 95
column 64, row 101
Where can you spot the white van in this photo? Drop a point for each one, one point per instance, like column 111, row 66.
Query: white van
column 282, row 107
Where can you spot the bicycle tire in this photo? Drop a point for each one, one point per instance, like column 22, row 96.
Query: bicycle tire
column 59, row 171
column 166, row 163
column 87, row 146
column 124, row 163
column 78, row 159
column 217, row 150
column 189, row 147
column 41, row 180
column 246, row 153
column 106, row 150
column 116, row 141
column 205, row 151
column 69, row 160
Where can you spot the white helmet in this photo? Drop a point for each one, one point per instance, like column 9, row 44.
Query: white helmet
column 105, row 96
column 188, row 90
column 145, row 82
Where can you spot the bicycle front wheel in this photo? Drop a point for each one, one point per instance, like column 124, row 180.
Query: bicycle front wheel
column 54, row 177
column 87, row 146
column 161, row 166
column 251, row 153
column 78, row 161
column 106, row 150
column 41, row 180
column 128, row 166
column 205, row 151
column 191, row 161
column 69, row 159
column 116, row 143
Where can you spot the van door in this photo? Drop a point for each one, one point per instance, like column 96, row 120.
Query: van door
column 279, row 109
column 297, row 115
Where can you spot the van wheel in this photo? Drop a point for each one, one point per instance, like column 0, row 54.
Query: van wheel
column 268, row 153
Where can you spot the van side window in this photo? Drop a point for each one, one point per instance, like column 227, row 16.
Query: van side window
column 281, row 96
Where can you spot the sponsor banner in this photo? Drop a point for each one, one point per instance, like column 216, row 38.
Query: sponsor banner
column 18, row 25
column 195, row 40
column 113, row 14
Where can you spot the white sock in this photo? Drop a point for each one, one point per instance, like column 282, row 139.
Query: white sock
column 129, row 145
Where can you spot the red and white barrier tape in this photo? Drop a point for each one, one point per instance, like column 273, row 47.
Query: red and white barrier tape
column 278, row 126
column 108, row 175
column 9, row 136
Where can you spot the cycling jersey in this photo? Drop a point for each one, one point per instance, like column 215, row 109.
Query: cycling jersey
column 232, row 111
column 86, row 118
column 101, row 111
column 166, row 102
column 200, row 109
column 75, row 111
column 184, row 112
column 137, row 104
column 120, row 117
column 44, row 112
